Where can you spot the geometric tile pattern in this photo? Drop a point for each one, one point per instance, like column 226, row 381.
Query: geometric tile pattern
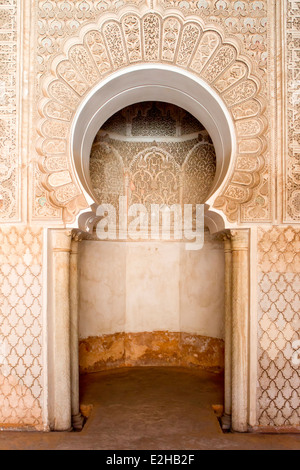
column 278, row 327
column 21, row 368
column 279, row 250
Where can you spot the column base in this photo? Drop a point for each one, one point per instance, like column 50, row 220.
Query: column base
column 226, row 423
column 77, row 422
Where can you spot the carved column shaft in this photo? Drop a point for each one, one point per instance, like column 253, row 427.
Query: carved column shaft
column 61, row 375
column 228, row 331
column 240, row 318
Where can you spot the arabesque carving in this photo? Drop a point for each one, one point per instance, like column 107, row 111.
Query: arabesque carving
column 292, row 125
column 9, row 156
column 124, row 40
column 177, row 167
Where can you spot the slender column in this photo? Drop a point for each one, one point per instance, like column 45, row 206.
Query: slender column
column 240, row 318
column 226, row 419
column 77, row 419
column 60, row 322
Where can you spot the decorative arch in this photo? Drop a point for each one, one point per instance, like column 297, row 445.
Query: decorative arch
column 131, row 39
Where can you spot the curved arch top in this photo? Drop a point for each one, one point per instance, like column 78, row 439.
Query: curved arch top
column 135, row 56
column 152, row 82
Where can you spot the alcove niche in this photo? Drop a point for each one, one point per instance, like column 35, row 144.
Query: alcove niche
column 150, row 300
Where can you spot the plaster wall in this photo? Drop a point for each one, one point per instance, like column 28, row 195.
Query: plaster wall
column 151, row 286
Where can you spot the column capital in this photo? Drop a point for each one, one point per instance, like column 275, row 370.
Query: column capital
column 239, row 239
column 78, row 235
column 61, row 240
column 227, row 242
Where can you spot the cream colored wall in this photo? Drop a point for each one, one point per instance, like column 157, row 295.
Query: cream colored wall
column 202, row 290
column 102, row 288
column 151, row 286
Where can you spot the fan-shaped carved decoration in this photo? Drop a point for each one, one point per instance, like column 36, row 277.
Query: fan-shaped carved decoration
column 127, row 39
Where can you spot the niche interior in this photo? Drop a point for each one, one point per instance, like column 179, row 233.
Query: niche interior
column 144, row 301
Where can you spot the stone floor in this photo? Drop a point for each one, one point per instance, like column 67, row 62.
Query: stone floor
column 153, row 409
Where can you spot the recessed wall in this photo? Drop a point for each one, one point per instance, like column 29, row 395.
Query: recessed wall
column 144, row 287
column 151, row 302
column 152, row 153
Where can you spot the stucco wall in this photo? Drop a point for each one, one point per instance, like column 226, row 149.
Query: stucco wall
column 151, row 286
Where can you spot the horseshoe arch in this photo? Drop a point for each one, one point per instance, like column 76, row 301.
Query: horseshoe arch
column 171, row 58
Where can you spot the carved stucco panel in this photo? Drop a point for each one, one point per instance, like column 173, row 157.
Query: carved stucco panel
column 292, row 121
column 188, row 43
column 9, row 146
column 178, row 166
column 246, row 20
